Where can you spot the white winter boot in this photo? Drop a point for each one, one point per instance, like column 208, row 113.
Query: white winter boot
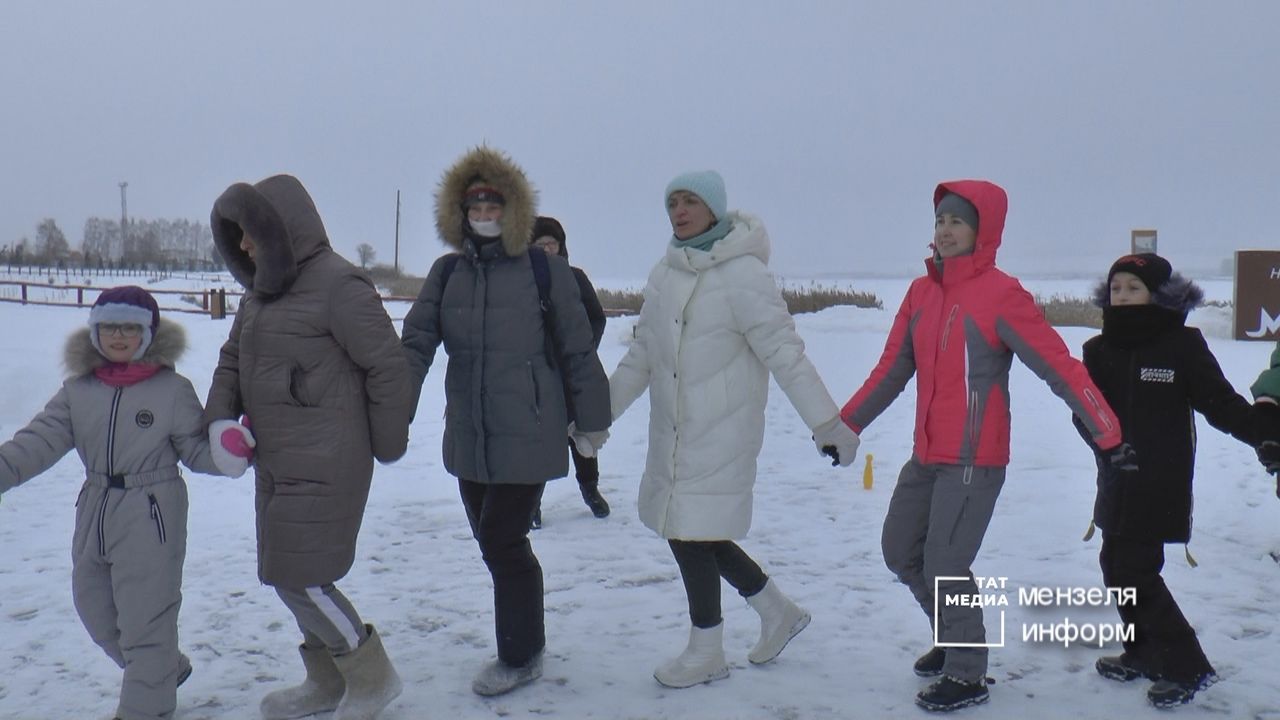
column 372, row 682
column 780, row 620
column 320, row 692
column 701, row 662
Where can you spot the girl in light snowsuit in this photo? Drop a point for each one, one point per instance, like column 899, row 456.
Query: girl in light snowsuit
column 131, row 417
column 712, row 328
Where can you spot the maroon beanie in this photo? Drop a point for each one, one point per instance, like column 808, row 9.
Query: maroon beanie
column 125, row 304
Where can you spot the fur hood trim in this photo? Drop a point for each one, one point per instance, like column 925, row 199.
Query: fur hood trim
column 81, row 358
column 280, row 216
column 1178, row 294
column 500, row 171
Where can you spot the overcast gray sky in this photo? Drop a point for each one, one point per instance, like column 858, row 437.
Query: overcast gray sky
column 833, row 121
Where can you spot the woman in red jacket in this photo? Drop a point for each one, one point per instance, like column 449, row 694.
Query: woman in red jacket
column 957, row 331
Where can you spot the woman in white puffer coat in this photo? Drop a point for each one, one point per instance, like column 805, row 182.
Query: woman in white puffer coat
column 712, row 328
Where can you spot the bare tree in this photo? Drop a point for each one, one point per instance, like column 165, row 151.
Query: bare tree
column 366, row 253
column 51, row 244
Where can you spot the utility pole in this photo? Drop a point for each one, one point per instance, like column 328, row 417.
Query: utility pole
column 124, row 219
column 396, row 263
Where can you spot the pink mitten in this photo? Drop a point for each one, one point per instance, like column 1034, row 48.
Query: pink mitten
column 235, row 442
column 231, row 447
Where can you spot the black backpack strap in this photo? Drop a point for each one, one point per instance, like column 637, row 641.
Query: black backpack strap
column 450, row 262
column 541, row 277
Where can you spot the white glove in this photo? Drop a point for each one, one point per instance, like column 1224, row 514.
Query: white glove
column 836, row 440
column 587, row 443
column 231, row 445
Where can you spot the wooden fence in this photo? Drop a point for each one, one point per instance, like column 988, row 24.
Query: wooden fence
column 217, row 303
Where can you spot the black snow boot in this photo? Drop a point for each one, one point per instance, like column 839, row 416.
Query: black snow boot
column 535, row 522
column 594, row 500
column 1169, row 693
column 950, row 694
column 1124, row 668
column 930, row 663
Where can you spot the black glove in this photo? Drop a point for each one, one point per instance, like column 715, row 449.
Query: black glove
column 1123, row 458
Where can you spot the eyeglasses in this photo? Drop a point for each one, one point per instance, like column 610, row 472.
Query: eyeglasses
column 129, row 330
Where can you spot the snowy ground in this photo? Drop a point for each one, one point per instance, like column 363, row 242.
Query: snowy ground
column 615, row 605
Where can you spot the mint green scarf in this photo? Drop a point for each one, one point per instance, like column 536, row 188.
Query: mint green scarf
column 706, row 239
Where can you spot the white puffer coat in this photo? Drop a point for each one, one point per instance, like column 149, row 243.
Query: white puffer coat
column 712, row 327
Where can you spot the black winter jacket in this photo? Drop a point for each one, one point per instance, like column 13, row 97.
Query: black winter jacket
column 1154, row 372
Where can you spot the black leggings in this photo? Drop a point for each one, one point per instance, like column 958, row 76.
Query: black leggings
column 702, row 564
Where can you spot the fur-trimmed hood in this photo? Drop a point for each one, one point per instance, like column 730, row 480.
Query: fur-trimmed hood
column 1177, row 293
column 81, row 358
column 506, row 177
column 280, row 216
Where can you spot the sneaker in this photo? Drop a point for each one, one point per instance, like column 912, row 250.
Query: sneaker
column 930, row 664
column 535, row 523
column 594, row 500
column 950, row 694
column 1123, row 668
column 1170, row 693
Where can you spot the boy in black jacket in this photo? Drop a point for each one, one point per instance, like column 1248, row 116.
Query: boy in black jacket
column 548, row 236
column 1154, row 372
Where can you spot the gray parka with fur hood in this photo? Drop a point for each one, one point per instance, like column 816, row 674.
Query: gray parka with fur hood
column 314, row 361
column 505, row 414
column 139, row 429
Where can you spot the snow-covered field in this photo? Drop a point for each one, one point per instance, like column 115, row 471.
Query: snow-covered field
column 615, row 604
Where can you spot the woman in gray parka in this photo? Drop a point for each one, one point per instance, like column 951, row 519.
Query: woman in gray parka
column 510, row 366
column 314, row 362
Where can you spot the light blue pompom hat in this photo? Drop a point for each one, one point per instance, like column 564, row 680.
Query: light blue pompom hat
column 708, row 185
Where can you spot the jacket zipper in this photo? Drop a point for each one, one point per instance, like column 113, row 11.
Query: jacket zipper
column 973, row 433
column 102, row 519
column 946, row 329
column 157, row 516
column 537, row 400
column 111, row 431
column 111, row 470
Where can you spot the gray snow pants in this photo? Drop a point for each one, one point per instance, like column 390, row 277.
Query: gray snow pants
column 937, row 518
column 326, row 617
column 126, row 580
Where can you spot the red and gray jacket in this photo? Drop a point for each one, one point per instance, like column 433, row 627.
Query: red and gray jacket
column 957, row 331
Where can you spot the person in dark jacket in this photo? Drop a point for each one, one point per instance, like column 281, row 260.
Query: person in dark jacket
column 506, row 410
column 1156, row 372
column 314, row 361
column 548, row 236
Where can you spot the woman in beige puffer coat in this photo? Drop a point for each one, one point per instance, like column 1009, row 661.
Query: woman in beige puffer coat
column 315, row 363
